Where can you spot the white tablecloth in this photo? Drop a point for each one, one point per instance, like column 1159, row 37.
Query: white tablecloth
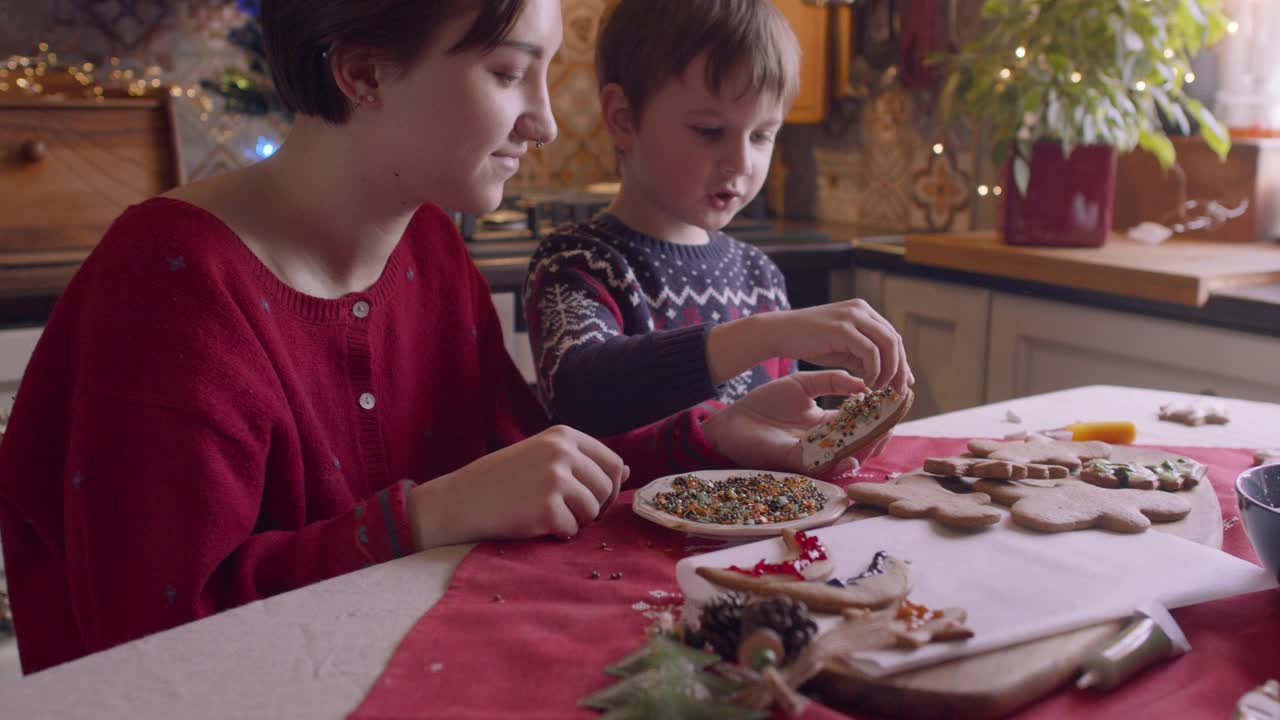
column 314, row 652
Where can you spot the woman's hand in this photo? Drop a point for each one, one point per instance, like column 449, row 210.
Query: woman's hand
column 550, row 484
column 763, row 430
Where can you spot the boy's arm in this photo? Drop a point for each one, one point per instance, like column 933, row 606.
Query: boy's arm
column 592, row 375
column 739, row 345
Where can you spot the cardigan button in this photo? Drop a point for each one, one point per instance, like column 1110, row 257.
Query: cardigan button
column 367, row 401
column 360, row 309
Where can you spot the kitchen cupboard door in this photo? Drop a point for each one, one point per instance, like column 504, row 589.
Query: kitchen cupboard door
column 944, row 328
column 809, row 21
column 1039, row 346
column 868, row 285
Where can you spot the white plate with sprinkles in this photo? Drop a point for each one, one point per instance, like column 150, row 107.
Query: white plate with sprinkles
column 739, row 503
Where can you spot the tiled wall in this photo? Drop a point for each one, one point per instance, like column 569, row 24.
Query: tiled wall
column 874, row 166
column 884, row 160
column 187, row 39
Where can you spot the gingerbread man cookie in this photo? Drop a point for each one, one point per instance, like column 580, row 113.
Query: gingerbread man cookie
column 1171, row 475
column 861, row 420
column 1079, row 506
column 1194, row 414
column 1042, row 451
column 1266, row 456
column 966, row 466
column 966, row 512
column 903, row 624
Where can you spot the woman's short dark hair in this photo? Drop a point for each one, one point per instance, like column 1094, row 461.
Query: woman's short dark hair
column 298, row 34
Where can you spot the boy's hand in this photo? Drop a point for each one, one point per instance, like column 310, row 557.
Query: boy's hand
column 848, row 334
column 763, row 430
column 550, row 484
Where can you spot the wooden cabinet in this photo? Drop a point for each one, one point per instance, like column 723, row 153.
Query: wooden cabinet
column 810, row 22
column 944, row 328
column 1247, row 182
column 67, row 169
column 1040, row 345
column 969, row 346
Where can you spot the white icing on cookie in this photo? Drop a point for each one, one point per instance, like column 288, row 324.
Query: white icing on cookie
column 859, row 416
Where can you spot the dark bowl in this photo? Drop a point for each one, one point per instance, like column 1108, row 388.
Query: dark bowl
column 1258, row 496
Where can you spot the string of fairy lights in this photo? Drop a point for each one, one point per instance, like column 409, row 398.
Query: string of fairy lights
column 45, row 76
column 41, row 75
column 1020, row 54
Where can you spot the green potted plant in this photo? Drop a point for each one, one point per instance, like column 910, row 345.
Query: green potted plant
column 1065, row 85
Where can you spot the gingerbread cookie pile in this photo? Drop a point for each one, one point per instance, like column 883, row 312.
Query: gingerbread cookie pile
column 1048, row 485
column 774, row 659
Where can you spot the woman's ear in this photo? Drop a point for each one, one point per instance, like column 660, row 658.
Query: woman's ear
column 618, row 118
column 359, row 73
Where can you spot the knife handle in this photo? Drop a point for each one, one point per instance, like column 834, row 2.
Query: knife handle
column 1121, row 432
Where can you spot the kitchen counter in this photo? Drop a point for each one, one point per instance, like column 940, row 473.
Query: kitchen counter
column 806, row 252
column 1253, row 309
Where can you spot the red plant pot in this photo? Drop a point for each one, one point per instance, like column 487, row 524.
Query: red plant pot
column 1068, row 201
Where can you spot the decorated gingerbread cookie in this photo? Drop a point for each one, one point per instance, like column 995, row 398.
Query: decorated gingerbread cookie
column 886, row 580
column 1172, row 475
column 1193, row 414
column 966, row 512
column 1266, row 456
column 861, row 420
column 1078, row 506
column 1041, row 451
column 903, row 624
column 967, row 466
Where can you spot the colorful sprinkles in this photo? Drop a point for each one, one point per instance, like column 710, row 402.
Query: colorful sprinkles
column 857, row 410
column 811, row 551
column 915, row 616
column 757, row 499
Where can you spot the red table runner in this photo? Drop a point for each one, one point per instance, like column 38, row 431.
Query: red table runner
column 525, row 629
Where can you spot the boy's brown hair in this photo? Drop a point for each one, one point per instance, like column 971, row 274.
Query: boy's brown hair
column 645, row 43
column 297, row 35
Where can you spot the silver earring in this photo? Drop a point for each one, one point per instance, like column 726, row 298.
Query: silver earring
column 539, row 144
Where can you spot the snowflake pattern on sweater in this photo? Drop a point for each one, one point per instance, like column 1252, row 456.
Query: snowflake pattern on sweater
column 615, row 313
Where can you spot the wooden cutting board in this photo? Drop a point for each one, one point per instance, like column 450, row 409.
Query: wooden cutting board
column 1183, row 272
column 996, row 683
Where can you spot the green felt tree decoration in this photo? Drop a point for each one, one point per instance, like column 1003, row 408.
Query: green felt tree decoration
column 665, row 679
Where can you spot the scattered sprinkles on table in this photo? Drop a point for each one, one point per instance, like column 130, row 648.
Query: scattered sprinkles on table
column 756, row 499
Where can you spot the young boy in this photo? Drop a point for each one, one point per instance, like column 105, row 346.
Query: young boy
column 649, row 308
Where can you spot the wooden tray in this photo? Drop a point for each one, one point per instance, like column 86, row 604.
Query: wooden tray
column 996, row 683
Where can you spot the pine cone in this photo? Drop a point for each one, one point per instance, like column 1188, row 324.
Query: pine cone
column 786, row 616
column 721, row 623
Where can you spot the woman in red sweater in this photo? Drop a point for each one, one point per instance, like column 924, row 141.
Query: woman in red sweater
column 294, row 371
